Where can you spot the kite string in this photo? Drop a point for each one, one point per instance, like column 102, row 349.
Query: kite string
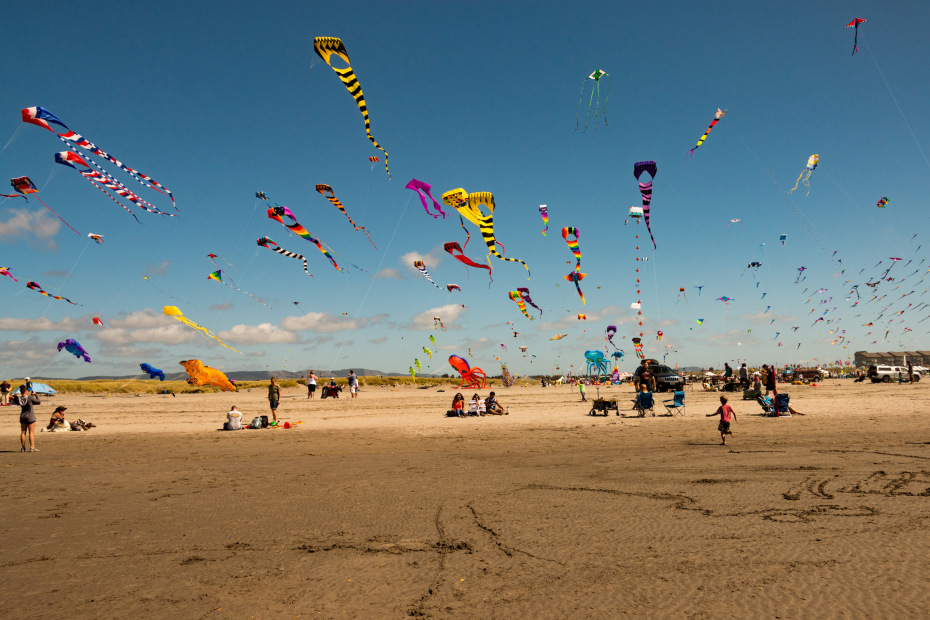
column 372, row 280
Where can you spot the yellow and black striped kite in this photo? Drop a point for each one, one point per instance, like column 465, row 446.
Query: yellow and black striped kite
column 468, row 206
column 325, row 47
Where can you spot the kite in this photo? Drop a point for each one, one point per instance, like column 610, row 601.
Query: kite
column 453, row 287
column 517, row 297
column 279, row 212
column 735, row 221
column 854, row 24
column 218, row 276
column 582, row 317
column 544, row 213
column 413, row 374
column 681, row 293
column 266, row 242
column 437, row 322
column 24, row 186
column 422, row 267
column 96, row 321
column 432, row 339
column 783, row 238
column 417, row 363
column 700, row 321
column 573, row 245
column 882, row 202
column 699, row 289
column 423, row 190
column 471, row 376
column 323, row 188
column 726, row 302
column 801, row 271
column 700, row 141
column 213, row 258
column 204, row 375
column 98, row 239
column 100, row 179
column 659, row 335
column 646, row 190
column 37, row 288
column 812, row 162
column 522, row 349
column 41, row 117
column 326, row 47
column 453, row 246
column 596, row 76
column 5, row 271
column 152, row 372
column 373, row 159
column 576, row 277
column 638, row 346
column 174, row 312
column 525, row 293
column 428, row 352
column 558, row 336
column 75, row 349
column 468, row 206
column 503, row 346
column 610, row 332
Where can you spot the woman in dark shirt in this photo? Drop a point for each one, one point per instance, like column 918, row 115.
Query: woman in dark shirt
column 27, row 418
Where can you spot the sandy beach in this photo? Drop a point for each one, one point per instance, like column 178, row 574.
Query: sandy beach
column 381, row 507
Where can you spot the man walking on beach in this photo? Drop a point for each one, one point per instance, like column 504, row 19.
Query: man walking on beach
column 274, row 395
column 353, row 384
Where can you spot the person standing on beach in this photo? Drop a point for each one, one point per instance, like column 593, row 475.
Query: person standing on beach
column 353, row 384
column 5, row 388
column 28, row 385
column 274, row 395
column 27, row 417
column 581, row 389
column 725, row 412
column 311, row 384
column 744, row 376
column 727, row 372
column 910, row 372
column 768, row 379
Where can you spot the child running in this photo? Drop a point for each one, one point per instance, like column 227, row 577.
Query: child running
column 725, row 412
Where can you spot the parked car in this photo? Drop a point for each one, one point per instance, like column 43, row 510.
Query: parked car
column 667, row 380
column 887, row 374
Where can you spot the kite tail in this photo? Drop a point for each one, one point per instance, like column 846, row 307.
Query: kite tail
column 513, row 260
column 348, row 78
column 606, row 97
column 467, row 234
column 588, row 113
column 58, row 216
column 597, row 104
column 796, row 182
column 580, row 100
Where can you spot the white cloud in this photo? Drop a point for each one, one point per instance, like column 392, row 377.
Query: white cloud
column 133, row 352
column 447, row 314
column 378, row 340
column 159, row 269
column 43, row 324
column 221, row 307
column 38, row 227
column 388, row 272
column 142, row 318
column 320, row 322
column 262, row 333
column 765, row 318
column 169, row 334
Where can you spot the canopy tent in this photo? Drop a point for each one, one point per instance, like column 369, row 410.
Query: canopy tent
column 41, row 388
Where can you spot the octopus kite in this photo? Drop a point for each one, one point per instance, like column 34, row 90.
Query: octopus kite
column 424, row 190
column 596, row 77
column 469, row 206
column 700, row 141
column 174, row 312
column 646, row 190
column 323, row 188
column 326, row 47
column 812, row 162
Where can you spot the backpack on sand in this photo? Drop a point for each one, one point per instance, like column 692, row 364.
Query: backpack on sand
column 256, row 422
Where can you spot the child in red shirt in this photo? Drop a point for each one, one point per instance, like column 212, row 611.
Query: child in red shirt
column 725, row 412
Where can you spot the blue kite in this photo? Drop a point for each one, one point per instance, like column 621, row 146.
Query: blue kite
column 152, row 372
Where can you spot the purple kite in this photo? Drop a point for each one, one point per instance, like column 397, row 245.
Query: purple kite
column 646, row 190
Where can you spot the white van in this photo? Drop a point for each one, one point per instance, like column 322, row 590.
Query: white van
column 887, row 374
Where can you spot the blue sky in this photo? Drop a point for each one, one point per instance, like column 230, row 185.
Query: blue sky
column 217, row 102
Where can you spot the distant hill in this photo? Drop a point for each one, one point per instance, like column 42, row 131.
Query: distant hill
column 258, row 375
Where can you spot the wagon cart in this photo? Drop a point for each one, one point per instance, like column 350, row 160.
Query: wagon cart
column 602, row 406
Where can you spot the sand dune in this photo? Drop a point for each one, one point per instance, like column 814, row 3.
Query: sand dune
column 382, row 507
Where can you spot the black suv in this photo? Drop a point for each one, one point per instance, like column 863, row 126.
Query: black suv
column 667, row 380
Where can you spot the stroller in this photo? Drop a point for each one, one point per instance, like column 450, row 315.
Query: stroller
column 330, row 390
column 768, row 408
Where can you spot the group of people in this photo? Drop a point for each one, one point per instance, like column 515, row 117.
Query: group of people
column 491, row 406
column 274, row 390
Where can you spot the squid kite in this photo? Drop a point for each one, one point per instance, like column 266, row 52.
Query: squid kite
column 75, row 349
column 424, row 191
column 24, row 186
column 854, row 24
column 453, row 287
column 577, row 277
column 646, row 190
column 101, row 180
column 204, row 375
column 153, row 372
column 525, row 294
column 98, row 239
column 326, row 47
column 812, row 162
column 469, row 206
column 596, row 76
column 43, row 118
column 323, row 188
column 37, row 288
column 573, row 245
column 218, row 276
column 544, row 213
column 453, row 246
column 422, row 267
column 700, row 141
column 266, row 242
column 175, row 313
column 279, row 212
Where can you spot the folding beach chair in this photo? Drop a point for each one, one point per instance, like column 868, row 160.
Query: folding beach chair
column 768, row 407
column 644, row 402
column 677, row 404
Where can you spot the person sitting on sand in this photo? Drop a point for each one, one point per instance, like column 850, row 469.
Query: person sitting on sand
column 476, row 406
column 458, row 405
column 233, row 420
column 725, row 412
column 58, row 419
column 493, row 407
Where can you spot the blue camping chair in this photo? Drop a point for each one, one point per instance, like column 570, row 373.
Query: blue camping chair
column 644, row 402
column 768, row 407
column 677, row 404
